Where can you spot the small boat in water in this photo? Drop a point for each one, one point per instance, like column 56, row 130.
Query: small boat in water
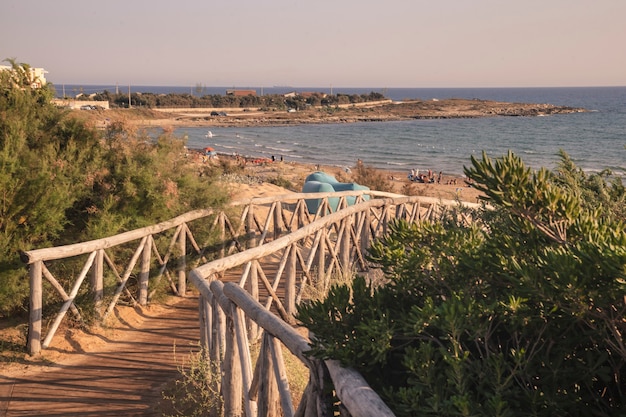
column 209, row 134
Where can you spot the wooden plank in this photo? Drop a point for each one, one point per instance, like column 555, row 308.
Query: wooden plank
column 33, row 344
column 69, row 301
column 355, row 393
column 280, row 374
column 55, row 284
column 144, row 274
column 182, row 262
column 129, row 270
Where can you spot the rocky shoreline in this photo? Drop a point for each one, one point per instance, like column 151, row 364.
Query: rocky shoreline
column 385, row 111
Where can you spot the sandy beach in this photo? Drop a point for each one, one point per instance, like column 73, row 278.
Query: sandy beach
column 263, row 178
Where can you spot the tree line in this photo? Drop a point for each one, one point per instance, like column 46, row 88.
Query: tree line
column 269, row 101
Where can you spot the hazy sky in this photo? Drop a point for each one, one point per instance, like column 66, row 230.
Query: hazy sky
column 344, row 43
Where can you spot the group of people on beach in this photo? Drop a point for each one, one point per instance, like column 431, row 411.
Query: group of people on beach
column 429, row 177
column 426, row 177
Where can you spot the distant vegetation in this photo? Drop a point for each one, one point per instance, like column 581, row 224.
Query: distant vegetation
column 63, row 182
column 272, row 101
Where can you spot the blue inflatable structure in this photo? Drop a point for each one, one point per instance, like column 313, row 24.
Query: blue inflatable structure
column 321, row 182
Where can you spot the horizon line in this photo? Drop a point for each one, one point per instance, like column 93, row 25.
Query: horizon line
column 326, row 87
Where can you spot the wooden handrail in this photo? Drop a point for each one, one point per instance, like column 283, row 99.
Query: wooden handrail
column 67, row 251
column 354, row 393
column 324, row 241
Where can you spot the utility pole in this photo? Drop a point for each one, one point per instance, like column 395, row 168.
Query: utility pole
column 129, row 105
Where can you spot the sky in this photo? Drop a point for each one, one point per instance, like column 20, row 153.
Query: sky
column 320, row 43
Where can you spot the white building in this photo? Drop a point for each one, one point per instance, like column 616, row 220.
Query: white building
column 37, row 75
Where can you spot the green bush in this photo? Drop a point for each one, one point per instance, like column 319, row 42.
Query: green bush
column 520, row 314
column 62, row 181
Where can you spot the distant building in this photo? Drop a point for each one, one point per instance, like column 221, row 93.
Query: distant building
column 81, row 104
column 38, row 75
column 241, row 93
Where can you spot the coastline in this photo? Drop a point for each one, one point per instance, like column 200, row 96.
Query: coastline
column 379, row 111
column 450, row 187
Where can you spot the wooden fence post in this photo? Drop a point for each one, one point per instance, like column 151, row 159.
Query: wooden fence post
column 253, row 290
column 35, row 304
column 182, row 261
column 219, row 331
column 97, row 279
column 232, row 384
column 206, row 321
column 321, row 259
column 268, row 398
column 278, row 220
column 243, row 345
column 144, row 275
column 290, row 280
column 344, row 246
column 250, row 228
column 280, row 375
column 365, row 231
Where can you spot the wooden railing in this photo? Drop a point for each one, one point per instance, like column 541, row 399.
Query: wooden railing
column 305, row 249
column 236, row 316
column 112, row 262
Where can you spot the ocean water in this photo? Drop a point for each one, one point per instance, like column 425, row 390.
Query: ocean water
column 595, row 140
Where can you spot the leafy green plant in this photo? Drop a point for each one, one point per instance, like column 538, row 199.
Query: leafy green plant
column 520, row 314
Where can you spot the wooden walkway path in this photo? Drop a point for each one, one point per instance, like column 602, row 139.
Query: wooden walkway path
column 123, row 377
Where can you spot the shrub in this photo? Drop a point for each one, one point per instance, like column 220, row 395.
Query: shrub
column 281, row 181
column 196, row 392
column 371, row 177
column 519, row 314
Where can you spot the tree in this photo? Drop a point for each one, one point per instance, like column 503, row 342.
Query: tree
column 42, row 163
column 20, row 75
column 62, row 181
column 521, row 313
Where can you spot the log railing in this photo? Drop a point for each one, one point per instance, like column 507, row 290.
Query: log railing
column 236, row 316
column 110, row 263
column 305, row 249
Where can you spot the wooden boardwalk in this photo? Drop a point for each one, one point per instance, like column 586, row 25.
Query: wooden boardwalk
column 122, row 377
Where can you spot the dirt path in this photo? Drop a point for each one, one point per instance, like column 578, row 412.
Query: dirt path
column 123, row 375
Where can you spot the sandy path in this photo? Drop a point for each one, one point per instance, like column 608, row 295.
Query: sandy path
column 120, row 372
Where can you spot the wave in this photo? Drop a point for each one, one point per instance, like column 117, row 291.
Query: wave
column 285, row 150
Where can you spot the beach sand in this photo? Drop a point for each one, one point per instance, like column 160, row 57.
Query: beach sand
column 264, row 178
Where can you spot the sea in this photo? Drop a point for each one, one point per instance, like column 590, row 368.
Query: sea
column 594, row 140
